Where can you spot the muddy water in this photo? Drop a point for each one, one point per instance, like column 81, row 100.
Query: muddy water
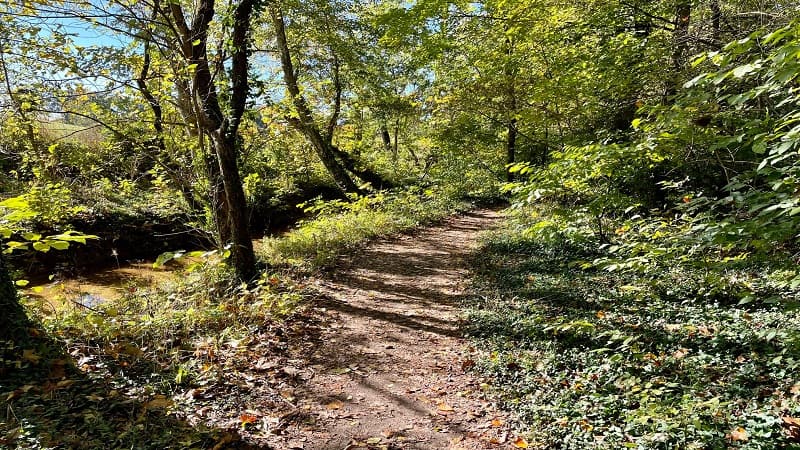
column 98, row 287
column 104, row 285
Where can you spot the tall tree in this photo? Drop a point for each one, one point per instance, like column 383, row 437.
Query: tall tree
column 219, row 126
column 321, row 134
column 304, row 121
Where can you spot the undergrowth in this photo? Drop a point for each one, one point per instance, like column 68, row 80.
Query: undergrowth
column 123, row 370
column 170, row 366
column 591, row 356
column 338, row 227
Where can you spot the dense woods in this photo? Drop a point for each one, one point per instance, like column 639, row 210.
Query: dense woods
column 642, row 291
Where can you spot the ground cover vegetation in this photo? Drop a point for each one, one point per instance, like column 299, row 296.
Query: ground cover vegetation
column 642, row 294
column 645, row 294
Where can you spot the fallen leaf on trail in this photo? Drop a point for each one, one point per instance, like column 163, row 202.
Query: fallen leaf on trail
column 467, row 365
column 705, row 331
column 291, row 371
column 373, row 440
column 792, row 425
column 65, row 383
column 247, row 419
column 130, row 350
column 520, row 443
column 795, row 389
column 738, row 434
column 791, row 421
column 18, row 392
column 497, row 423
column 336, row 404
column 600, row 314
column 444, row 408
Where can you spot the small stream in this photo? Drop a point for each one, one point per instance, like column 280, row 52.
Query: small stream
column 104, row 285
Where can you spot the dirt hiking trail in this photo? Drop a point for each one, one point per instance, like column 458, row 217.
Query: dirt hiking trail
column 389, row 366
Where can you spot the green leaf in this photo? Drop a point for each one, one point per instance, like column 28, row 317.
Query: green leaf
column 60, row 245
column 741, row 71
column 163, row 259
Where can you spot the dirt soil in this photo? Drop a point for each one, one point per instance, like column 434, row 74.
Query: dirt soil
column 389, row 368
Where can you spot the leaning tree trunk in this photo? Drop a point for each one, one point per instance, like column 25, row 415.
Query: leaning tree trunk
column 371, row 177
column 305, row 120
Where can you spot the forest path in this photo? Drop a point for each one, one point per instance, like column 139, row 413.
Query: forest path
column 389, row 366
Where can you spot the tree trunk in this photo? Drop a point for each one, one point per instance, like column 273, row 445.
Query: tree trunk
column 305, row 120
column 386, row 138
column 242, row 254
column 511, row 147
column 219, row 200
column 13, row 320
column 376, row 180
column 396, row 138
column 680, row 42
column 231, row 213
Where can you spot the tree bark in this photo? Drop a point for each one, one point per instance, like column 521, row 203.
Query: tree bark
column 350, row 163
column 13, row 320
column 304, row 122
column 231, row 210
column 396, row 138
column 680, row 43
column 386, row 138
column 511, row 147
column 511, row 104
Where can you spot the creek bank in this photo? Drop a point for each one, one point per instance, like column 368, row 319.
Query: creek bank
column 125, row 239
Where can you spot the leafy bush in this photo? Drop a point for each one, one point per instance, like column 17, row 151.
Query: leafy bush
column 708, row 183
column 341, row 226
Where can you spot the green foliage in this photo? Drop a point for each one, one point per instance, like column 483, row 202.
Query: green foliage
column 45, row 205
column 15, row 212
column 719, row 165
column 591, row 358
column 341, row 227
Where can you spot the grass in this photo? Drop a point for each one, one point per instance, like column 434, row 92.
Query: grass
column 588, row 358
column 341, row 227
column 89, row 135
